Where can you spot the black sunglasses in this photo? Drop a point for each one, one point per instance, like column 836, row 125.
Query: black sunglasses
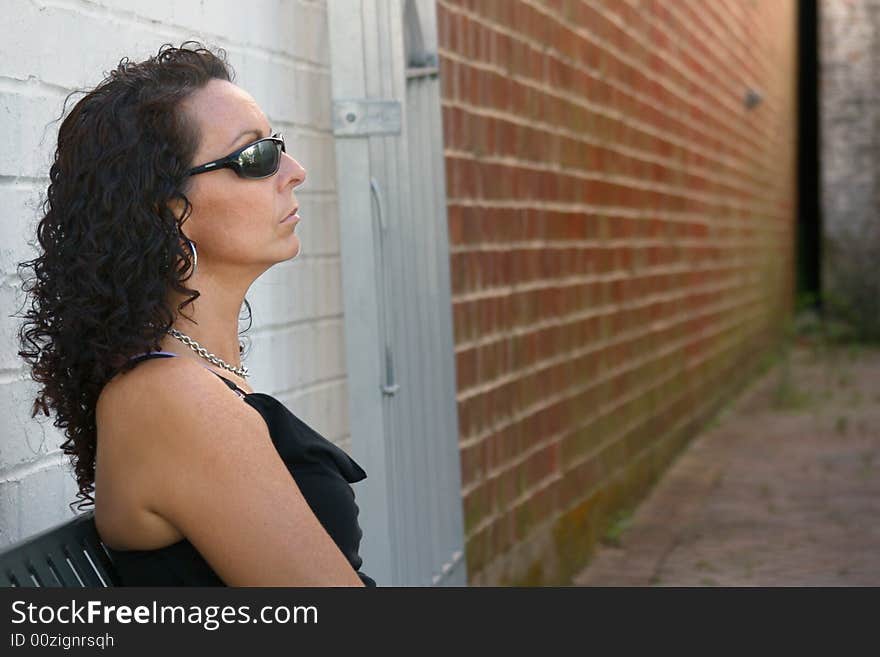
column 256, row 160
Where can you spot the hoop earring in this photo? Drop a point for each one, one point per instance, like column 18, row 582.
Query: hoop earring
column 195, row 253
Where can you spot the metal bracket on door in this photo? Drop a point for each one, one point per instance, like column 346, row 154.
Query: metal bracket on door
column 422, row 72
column 363, row 117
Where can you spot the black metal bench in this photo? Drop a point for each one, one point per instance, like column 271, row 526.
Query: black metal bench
column 68, row 555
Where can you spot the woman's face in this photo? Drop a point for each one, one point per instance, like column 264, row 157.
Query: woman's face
column 235, row 222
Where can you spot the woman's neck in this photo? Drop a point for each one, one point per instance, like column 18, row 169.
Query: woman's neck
column 211, row 320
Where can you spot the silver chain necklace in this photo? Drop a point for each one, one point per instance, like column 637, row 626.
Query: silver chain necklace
column 204, row 353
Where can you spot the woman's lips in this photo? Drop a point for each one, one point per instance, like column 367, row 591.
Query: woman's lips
column 293, row 216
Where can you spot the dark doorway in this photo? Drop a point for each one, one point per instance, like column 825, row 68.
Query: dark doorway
column 809, row 218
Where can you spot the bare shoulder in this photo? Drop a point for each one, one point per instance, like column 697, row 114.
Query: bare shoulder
column 156, row 383
column 137, row 413
column 207, row 467
column 163, row 410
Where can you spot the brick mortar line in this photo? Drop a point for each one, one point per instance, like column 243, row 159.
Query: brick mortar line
column 710, row 90
column 719, row 56
column 612, row 211
column 599, row 175
column 688, row 145
column 12, row 375
column 591, row 174
column 292, row 267
column 632, row 212
column 638, row 421
column 609, row 245
column 605, row 410
column 315, row 385
column 610, row 408
column 584, row 35
column 618, row 471
column 606, row 309
column 616, row 147
column 32, row 84
column 734, row 30
column 728, row 20
column 756, row 66
column 493, row 517
column 610, row 373
column 718, row 21
column 323, row 321
column 680, row 190
column 616, row 275
column 538, row 487
column 7, row 181
column 19, row 471
column 316, row 258
column 633, row 122
column 682, row 96
column 684, row 44
column 92, row 10
column 731, row 269
column 598, row 311
column 603, row 378
column 728, row 204
column 12, row 280
column 720, row 394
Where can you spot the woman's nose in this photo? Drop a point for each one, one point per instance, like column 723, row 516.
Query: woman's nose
column 298, row 174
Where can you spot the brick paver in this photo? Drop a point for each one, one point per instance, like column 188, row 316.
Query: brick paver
column 785, row 490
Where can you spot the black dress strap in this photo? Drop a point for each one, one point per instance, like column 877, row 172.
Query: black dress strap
column 152, row 354
column 241, row 393
column 167, row 354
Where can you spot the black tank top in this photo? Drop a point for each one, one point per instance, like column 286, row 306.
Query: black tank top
column 322, row 470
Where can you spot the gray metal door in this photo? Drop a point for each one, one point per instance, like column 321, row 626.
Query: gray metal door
column 396, row 286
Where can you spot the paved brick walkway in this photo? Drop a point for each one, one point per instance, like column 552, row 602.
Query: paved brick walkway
column 785, row 490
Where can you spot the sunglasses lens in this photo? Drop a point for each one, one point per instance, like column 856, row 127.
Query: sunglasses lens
column 260, row 160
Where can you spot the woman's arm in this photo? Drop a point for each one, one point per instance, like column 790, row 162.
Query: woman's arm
column 209, row 467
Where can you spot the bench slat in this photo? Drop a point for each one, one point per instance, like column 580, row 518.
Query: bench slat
column 87, row 574
column 102, row 560
column 39, row 568
column 78, row 558
column 17, row 572
column 68, row 578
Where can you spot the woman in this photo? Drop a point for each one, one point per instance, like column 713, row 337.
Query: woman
column 169, row 195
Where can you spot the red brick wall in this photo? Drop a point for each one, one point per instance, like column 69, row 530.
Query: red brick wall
column 621, row 232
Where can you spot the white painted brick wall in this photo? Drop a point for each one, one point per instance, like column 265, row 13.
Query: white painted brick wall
column 279, row 51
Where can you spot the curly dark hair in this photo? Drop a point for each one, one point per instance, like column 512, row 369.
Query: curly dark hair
column 110, row 247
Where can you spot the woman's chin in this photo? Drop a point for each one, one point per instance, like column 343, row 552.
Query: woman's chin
column 294, row 247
